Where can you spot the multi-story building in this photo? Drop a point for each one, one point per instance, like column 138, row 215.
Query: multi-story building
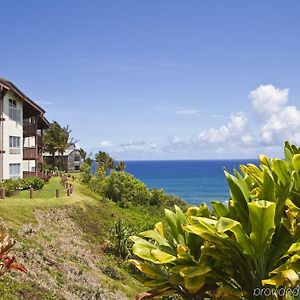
column 70, row 159
column 22, row 123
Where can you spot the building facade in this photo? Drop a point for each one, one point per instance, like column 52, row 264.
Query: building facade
column 22, row 123
column 70, row 160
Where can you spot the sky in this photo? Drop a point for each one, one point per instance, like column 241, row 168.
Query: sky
column 160, row 79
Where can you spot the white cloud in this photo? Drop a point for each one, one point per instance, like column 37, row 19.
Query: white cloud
column 284, row 125
column 267, row 99
column 187, row 112
column 279, row 121
column 106, row 144
column 233, row 128
column 247, row 139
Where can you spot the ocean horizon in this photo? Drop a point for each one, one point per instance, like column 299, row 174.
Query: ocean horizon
column 195, row 181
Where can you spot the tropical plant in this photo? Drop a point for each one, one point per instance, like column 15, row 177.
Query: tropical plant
column 83, row 154
column 120, row 234
column 123, row 188
column 56, row 140
column 7, row 262
column 172, row 261
column 251, row 243
column 104, row 161
column 85, row 173
column 120, row 167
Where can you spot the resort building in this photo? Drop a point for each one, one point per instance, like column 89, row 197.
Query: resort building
column 22, row 123
column 70, row 160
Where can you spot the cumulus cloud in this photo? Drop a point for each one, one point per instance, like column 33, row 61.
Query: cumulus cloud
column 280, row 121
column 137, row 146
column 264, row 128
column 267, row 99
column 232, row 129
column 106, row 144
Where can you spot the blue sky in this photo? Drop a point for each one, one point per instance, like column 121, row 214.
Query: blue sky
column 160, row 79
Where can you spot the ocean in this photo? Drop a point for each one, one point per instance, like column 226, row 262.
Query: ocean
column 195, row 181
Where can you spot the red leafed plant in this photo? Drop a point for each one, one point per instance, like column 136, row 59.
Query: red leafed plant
column 7, row 262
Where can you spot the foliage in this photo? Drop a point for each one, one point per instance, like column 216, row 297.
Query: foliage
column 120, row 167
column 57, row 139
column 172, row 258
column 85, row 173
column 119, row 237
column 252, row 242
column 7, row 262
column 12, row 185
column 123, row 188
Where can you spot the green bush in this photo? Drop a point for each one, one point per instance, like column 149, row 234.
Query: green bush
column 231, row 251
column 12, row 185
column 85, row 173
column 122, row 187
column 36, row 183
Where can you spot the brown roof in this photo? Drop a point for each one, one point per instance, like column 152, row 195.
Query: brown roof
column 10, row 86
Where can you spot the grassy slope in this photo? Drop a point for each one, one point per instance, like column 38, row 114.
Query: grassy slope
column 93, row 217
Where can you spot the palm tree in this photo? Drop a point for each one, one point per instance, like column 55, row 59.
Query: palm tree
column 104, row 161
column 57, row 139
column 83, row 154
column 120, row 167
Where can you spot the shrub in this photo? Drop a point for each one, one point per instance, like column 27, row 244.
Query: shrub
column 122, row 187
column 119, row 237
column 36, row 183
column 231, row 250
column 85, row 173
column 11, row 185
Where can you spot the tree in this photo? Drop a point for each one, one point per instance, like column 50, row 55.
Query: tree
column 120, row 167
column 57, row 139
column 104, row 161
column 83, row 154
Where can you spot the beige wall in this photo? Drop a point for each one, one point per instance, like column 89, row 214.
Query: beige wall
column 12, row 128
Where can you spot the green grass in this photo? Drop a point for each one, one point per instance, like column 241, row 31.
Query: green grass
column 18, row 209
column 92, row 214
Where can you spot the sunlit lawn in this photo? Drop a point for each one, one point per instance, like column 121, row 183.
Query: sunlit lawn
column 18, row 209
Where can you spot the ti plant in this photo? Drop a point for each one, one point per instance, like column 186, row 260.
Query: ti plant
column 232, row 250
column 7, row 262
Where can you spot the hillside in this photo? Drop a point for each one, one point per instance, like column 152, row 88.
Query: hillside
column 64, row 244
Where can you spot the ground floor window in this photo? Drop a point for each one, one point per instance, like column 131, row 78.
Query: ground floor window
column 14, row 170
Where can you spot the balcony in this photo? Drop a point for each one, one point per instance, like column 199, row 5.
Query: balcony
column 39, row 140
column 29, row 129
column 30, row 153
column 29, row 174
column 40, row 158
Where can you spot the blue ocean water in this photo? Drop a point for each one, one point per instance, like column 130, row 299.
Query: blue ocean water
column 195, row 181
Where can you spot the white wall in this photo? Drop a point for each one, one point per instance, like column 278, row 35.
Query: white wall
column 12, row 128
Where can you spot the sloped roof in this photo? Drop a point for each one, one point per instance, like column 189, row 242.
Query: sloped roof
column 10, row 86
column 66, row 153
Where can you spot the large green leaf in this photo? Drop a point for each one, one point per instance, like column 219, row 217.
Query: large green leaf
column 226, row 224
column 149, row 270
column 220, row 209
column 268, row 186
column 156, row 236
column 296, row 162
column 261, row 214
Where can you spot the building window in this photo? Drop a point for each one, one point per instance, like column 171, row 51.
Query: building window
column 14, row 171
column 14, row 112
column 14, row 145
